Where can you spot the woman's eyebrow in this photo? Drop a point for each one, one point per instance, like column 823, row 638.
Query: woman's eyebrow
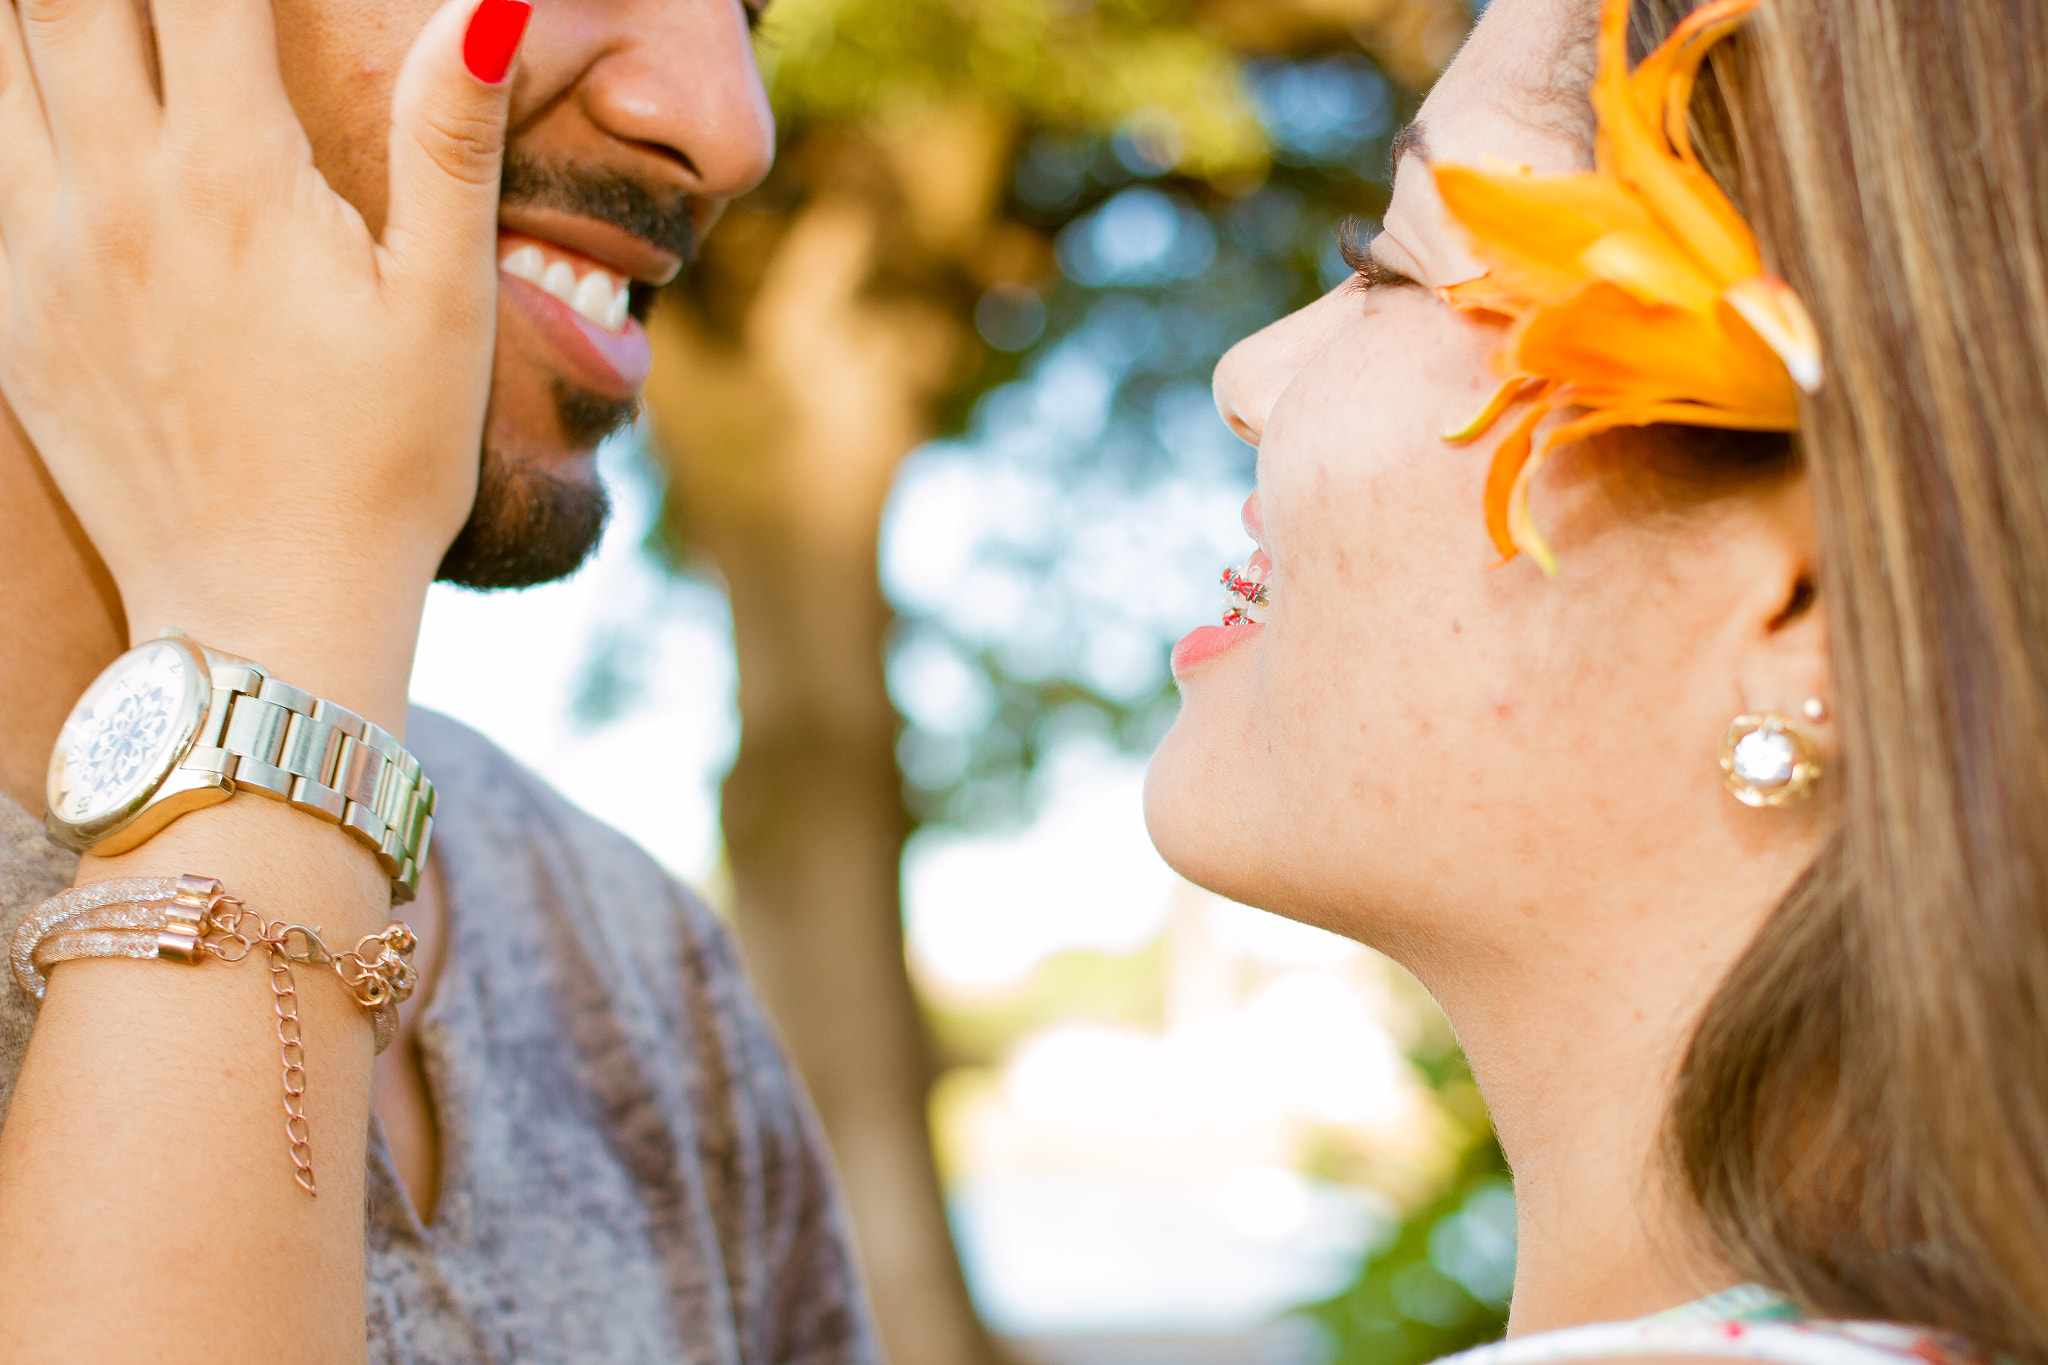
column 1408, row 139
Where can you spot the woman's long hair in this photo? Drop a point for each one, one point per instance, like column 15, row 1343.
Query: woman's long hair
column 1863, row 1113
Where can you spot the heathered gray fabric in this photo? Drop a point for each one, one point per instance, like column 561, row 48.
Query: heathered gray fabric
column 629, row 1172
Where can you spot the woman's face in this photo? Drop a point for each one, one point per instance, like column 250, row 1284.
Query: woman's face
column 1421, row 746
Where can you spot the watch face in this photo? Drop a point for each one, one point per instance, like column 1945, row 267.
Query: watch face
column 124, row 735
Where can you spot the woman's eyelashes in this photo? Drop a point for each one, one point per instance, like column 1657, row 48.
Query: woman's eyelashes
column 1373, row 274
column 1370, row 272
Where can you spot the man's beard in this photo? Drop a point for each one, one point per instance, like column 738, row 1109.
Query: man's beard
column 531, row 526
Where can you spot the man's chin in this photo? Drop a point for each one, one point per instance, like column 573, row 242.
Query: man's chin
column 588, row 419
column 528, row 527
column 535, row 522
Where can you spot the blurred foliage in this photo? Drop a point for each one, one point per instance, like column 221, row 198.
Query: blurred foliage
column 955, row 1094
column 1031, row 62
column 1440, row 1284
column 1078, row 986
column 1439, row 1281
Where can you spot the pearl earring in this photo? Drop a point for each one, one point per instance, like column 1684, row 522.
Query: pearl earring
column 1814, row 709
column 1765, row 762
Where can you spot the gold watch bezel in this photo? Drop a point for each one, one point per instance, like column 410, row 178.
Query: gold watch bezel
column 169, row 793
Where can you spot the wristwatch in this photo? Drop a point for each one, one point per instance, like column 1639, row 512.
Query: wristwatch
column 172, row 727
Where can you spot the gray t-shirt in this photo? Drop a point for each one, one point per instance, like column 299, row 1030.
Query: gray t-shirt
column 629, row 1171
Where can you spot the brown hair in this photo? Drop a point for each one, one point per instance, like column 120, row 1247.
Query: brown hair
column 1862, row 1116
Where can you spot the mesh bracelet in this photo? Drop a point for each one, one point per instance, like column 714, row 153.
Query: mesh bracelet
column 189, row 919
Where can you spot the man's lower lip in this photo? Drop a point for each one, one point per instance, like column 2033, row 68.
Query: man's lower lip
column 1204, row 643
column 614, row 364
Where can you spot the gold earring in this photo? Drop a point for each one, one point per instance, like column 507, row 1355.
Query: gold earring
column 1765, row 762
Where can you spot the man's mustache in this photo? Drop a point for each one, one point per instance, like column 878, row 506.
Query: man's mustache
column 605, row 195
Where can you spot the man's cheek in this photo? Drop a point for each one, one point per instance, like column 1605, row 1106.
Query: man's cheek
column 340, row 64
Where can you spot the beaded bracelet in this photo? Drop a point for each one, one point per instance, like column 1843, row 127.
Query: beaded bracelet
column 189, row 919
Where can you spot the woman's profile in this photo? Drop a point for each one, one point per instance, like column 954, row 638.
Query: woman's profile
column 1645, row 647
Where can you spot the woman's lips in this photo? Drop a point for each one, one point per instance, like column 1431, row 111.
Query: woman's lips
column 613, row 364
column 1246, row 598
column 1204, row 643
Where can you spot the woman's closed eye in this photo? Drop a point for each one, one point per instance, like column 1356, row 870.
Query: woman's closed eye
column 1371, row 271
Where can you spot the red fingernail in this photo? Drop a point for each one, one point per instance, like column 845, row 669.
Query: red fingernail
column 493, row 36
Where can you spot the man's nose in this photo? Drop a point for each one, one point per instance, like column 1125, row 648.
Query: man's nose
column 677, row 81
column 1254, row 373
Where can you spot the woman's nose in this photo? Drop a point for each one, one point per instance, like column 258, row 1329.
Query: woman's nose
column 1254, row 373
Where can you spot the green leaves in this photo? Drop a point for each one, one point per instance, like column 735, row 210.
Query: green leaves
column 1108, row 66
column 1440, row 1284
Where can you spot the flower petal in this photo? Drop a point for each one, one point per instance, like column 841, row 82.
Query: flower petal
column 1645, row 264
column 1482, row 295
column 1631, row 146
column 1531, row 229
column 1662, row 82
column 1611, row 347
column 1770, row 307
column 1503, row 476
column 1521, row 525
column 1506, row 396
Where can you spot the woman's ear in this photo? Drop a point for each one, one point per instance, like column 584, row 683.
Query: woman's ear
column 1784, row 664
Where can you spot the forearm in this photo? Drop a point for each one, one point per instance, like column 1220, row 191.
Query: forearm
column 270, row 435
column 147, row 1200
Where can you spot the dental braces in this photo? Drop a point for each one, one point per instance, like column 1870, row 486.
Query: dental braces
column 1246, row 591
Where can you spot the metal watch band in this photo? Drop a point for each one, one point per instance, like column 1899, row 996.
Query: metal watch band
column 323, row 759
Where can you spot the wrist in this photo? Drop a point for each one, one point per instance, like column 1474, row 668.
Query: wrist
column 284, row 864
column 172, row 728
column 356, row 653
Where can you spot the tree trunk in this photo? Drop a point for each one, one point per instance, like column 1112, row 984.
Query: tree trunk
column 782, row 430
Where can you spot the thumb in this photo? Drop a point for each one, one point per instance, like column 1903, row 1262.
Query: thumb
column 448, row 140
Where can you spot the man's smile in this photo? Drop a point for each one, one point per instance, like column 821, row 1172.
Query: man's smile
column 581, row 250
column 579, row 305
column 596, row 295
column 581, row 237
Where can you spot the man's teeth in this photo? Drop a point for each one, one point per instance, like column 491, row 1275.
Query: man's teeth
column 595, row 296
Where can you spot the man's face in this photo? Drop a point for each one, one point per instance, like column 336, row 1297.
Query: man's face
column 633, row 122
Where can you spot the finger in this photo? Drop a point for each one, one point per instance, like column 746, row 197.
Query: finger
column 28, row 164
column 220, row 69
column 92, row 65
column 448, row 141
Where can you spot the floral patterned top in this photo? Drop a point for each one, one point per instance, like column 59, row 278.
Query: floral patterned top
column 1747, row 1322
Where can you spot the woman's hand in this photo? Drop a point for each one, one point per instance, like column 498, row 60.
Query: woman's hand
column 266, row 419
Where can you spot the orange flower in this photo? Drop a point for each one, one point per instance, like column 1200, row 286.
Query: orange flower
column 1633, row 293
